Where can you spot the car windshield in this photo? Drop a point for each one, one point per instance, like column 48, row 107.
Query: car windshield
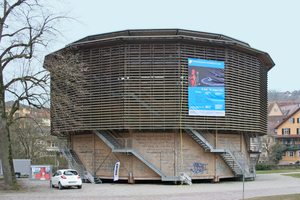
column 70, row 173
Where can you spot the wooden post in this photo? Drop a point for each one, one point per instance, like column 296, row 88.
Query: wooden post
column 216, row 138
column 131, row 159
column 175, row 152
column 93, row 154
column 241, row 141
column 130, row 175
column 216, row 177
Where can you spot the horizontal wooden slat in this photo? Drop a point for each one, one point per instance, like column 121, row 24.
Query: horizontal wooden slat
column 138, row 86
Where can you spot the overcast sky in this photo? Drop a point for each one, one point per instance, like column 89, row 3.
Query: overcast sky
column 272, row 26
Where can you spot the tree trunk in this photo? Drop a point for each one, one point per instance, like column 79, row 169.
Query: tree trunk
column 6, row 153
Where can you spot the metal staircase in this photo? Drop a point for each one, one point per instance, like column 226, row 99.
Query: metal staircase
column 108, row 139
column 130, row 146
column 253, row 142
column 74, row 155
column 204, row 142
column 97, row 180
column 234, row 166
column 253, row 161
column 229, row 153
column 200, row 140
column 254, row 147
column 74, row 162
column 185, row 178
column 91, row 178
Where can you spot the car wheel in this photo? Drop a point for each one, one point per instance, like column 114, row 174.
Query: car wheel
column 17, row 175
column 79, row 186
column 60, row 186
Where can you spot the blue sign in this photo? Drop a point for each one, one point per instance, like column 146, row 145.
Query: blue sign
column 206, row 87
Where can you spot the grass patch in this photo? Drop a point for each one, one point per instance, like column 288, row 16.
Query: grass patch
column 277, row 171
column 293, row 175
column 280, row 197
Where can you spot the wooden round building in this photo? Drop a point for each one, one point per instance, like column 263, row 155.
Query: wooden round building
column 167, row 104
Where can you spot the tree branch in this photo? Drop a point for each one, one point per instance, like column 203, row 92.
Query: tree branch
column 33, row 79
column 15, row 33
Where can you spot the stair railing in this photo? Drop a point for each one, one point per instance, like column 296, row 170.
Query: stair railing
column 247, row 139
column 209, row 137
column 70, row 159
column 89, row 176
column 254, row 159
column 255, row 142
column 225, row 143
column 119, row 141
column 131, row 144
column 237, row 156
column 258, row 140
column 217, row 143
column 128, row 144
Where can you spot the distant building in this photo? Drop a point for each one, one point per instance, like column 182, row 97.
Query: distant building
column 42, row 118
column 286, row 93
column 23, row 111
column 288, row 107
column 277, row 112
column 288, row 136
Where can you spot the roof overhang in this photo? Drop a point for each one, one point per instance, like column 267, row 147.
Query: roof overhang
column 171, row 35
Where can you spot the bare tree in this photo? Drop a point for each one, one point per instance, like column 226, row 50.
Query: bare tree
column 25, row 26
column 27, row 138
column 273, row 150
column 266, row 146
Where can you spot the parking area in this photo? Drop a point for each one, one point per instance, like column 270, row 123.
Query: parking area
column 265, row 185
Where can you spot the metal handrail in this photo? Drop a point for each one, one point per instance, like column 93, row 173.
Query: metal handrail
column 237, row 156
column 129, row 145
column 89, row 176
column 227, row 144
column 248, row 142
column 259, row 142
column 122, row 142
column 257, row 145
column 72, row 162
column 132, row 144
column 210, row 138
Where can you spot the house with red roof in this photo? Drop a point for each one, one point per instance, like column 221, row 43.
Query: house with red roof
column 288, row 135
column 278, row 112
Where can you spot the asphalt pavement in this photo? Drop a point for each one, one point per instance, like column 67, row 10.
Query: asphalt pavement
column 264, row 185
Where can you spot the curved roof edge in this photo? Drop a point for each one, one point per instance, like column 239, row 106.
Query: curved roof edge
column 158, row 32
column 177, row 34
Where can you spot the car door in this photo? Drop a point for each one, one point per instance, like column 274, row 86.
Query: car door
column 56, row 178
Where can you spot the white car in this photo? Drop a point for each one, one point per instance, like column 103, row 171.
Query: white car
column 66, row 178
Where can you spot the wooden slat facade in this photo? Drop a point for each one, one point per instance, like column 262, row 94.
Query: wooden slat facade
column 134, row 82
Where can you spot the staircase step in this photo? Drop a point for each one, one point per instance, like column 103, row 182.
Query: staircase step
column 97, row 180
column 108, row 138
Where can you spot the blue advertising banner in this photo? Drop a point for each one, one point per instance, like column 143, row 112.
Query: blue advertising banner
column 206, row 87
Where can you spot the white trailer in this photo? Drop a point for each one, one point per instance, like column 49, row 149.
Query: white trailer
column 21, row 166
